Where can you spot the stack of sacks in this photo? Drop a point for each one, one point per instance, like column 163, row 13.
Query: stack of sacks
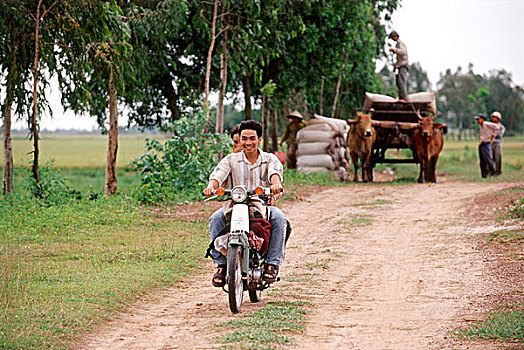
column 321, row 146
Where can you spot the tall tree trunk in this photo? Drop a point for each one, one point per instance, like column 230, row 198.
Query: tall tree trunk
column 338, row 87
column 8, row 147
column 223, row 77
column 248, row 111
column 210, row 56
column 34, row 120
column 12, row 79
column 172, row 97
column 321, row 109
column 274, row 130
column 111, row 181
column 265, row 123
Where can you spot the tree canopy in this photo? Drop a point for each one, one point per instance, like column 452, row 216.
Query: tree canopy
column 462, row 95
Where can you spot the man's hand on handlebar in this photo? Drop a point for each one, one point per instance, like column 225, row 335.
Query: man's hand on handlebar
column 276, row 193
column 211, row 186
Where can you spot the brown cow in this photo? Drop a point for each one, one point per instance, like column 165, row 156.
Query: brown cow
column 361, row 136
column 426, row 144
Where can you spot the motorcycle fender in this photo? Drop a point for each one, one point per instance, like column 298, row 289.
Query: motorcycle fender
column 240, row 218
column 239, row 228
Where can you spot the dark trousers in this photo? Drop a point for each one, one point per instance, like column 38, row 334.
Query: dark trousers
column 487, row 167
column 402, row 82
column 496, row 151
column 291, row 156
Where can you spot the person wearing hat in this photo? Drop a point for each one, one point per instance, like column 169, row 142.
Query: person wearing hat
column 401, row 66
column 295, row 123
column 487, row 132
column 496, row 148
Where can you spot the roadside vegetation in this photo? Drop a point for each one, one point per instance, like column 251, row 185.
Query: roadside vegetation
column 504, row 322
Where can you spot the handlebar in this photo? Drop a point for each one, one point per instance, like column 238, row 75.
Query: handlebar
column 266, row 192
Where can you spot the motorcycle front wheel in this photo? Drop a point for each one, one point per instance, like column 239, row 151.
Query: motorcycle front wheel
column 234, row 278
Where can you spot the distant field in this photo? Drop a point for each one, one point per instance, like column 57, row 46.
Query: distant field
column 89, row 151
column 79, row 151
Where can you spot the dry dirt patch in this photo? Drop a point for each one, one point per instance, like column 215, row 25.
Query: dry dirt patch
column 400, row 279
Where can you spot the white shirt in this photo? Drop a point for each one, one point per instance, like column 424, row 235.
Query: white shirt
column 244, row 173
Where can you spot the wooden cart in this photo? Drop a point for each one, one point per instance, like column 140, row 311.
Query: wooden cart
column 396, row 121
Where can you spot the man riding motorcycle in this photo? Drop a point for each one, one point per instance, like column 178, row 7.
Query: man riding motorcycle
column 251, row 167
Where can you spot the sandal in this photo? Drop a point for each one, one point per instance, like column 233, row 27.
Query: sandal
column 219, row 278
column 270, row 273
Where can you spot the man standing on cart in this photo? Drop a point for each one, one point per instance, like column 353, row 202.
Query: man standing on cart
column 401, row 66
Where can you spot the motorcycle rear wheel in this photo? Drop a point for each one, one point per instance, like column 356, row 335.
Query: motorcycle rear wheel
column 234, row 278
column 255, row 295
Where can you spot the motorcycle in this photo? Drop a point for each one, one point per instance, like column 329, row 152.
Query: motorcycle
column 245, row 264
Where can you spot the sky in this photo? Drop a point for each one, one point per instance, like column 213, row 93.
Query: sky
column 445, row 34
column 439, row 34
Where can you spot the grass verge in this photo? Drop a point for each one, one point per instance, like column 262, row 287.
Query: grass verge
column 502, row 325
column 268, row 328
column 67, row 268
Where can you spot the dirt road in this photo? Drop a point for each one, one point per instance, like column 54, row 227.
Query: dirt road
column 394, row 267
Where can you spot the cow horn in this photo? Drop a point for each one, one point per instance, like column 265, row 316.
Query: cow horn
column 418, row 115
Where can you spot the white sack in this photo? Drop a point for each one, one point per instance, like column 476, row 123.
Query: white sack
column 309, row 148
column 315, row 124
column 309, row 170
column 318, row 160
column 305, row 135
column 340, row 125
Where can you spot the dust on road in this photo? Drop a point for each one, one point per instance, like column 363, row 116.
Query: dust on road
column 395, row 269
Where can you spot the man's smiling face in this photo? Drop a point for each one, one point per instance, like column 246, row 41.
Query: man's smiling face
column 249, row 140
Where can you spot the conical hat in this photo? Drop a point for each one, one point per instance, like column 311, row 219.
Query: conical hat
column 295, row 114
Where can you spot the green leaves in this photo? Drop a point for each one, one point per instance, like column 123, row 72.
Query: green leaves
column 182, row 164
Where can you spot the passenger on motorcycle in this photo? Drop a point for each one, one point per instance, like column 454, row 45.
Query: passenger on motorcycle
column 251, row 167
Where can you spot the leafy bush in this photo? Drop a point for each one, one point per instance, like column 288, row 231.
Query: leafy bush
column 181, row 166
column 53, row 188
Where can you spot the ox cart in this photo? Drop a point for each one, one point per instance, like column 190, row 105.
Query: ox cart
column 395, row 123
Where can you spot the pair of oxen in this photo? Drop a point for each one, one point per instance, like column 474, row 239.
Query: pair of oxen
column 427, row 141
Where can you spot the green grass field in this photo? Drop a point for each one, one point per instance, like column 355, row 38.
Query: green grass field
column 78, row 151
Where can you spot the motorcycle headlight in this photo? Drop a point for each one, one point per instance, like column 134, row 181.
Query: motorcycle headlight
column 239, row 194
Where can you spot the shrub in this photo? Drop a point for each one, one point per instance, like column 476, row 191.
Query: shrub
column 52, row 189
column 180, row 167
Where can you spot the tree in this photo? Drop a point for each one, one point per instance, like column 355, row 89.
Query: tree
column 175, row 61
column 507, row 99
column 223, row 74
column 418, row 80
column 210, row 56
column 463, row 95
column 95, row 67
column 41, row 12
column 27, row 50
column 454, row 101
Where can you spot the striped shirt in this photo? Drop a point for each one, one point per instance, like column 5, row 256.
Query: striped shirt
column 244, row 173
